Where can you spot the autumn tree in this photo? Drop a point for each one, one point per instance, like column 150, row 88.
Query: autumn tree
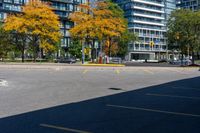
column 97, row 23
column 39, row 23
column 118, row 46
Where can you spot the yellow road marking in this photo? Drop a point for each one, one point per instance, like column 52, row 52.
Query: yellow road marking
column 154, row 110
column 63, row 128
column 85, row 71
column 148, row 71
column 117, row 71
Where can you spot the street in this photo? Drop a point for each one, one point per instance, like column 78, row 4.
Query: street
column 78, row 99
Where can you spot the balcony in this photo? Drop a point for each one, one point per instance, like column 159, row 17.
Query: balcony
column 148, row 16
column 148, row 23
column 161, row 4
column 147, row 9
column 147, row 49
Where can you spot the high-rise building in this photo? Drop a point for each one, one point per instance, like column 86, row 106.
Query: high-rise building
column 147, row 18
column 188, row 4
column 61, row 7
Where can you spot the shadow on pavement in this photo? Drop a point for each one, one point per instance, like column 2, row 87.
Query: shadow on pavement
column 173, row 107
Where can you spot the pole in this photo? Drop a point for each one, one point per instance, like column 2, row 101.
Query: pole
column 83, row 53
column 188, row 52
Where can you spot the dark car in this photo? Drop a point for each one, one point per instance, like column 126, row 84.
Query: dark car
column 66, row 60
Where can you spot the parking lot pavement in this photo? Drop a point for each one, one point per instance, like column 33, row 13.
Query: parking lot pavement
column 171, row 107
column 100, row 100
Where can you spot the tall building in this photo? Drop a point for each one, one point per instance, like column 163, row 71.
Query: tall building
column 188, row 4
column 147, row 18
column 61, row 7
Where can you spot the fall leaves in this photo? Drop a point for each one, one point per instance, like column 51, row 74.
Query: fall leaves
column 97, row 23
column 38, row 22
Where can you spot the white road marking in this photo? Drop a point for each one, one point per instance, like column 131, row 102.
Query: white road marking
column 63, row 128
column 3, row 82
column 154, row 110
column 186, row 88
column 173, row 96
column 85, row 71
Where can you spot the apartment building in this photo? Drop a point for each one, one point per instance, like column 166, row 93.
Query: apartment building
column 148, row 19
column 188, row 4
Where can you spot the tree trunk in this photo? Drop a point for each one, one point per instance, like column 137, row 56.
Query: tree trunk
column 109, row 48
column 93, row 51
column 100, row 56
column 35, row 48
column 181, row 59
column 198, row 56
column 22, row 51
column 34, row 54
column 22, row 55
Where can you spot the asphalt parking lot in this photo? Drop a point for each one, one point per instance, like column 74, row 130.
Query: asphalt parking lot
column 59, row 99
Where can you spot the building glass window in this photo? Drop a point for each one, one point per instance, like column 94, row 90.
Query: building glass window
column 1, row 16
column 8, row 1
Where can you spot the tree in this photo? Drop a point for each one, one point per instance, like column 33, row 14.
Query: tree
column 75, row 48
column 97, row 23
column 183, row 33
column 127, row 38
column 5, row 42
column 118, row 46
column 39, row 23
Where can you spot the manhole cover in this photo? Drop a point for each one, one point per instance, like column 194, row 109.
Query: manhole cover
column 3, row 82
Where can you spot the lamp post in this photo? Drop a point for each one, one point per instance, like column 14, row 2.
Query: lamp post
column 83, row 42
column 83, row 52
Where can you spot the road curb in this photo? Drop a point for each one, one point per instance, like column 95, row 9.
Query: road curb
column 104, row 65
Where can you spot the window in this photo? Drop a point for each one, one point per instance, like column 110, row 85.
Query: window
column 1, row 16
column 8, row 1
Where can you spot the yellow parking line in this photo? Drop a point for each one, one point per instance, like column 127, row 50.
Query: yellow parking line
column 63, row 128
column 117, row 71
column 85, row 71
column 148, row 71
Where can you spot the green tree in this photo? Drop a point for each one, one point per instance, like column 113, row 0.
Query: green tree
column 183, row 31
column 75, row 48
column 127, row 38
column 5, row 42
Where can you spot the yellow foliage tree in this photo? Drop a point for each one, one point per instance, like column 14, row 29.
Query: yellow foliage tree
column 97, row 23
column 38, row 22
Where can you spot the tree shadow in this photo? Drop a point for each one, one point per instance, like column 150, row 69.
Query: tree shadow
column 172, row 107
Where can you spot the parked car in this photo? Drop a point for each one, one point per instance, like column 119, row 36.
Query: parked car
column 117, row 60
column 66, row 60
column 162, row 60
column 181, row 62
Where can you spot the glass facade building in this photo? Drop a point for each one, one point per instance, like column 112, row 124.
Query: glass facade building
column 188, row 4
column 147, row 18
